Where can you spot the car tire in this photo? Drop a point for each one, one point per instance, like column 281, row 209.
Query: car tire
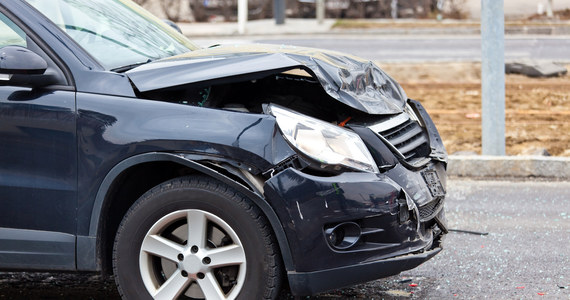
column 228, row 253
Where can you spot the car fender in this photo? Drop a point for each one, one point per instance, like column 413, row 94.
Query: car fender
column 87, row 251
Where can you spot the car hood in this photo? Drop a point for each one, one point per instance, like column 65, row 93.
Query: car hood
column 353, row 81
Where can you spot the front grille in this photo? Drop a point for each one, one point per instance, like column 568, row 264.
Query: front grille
column 406, row 136
column 429, row 210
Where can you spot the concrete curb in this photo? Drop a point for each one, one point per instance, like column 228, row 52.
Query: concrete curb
column 509, row 166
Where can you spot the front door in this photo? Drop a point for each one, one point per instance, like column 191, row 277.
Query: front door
column 38, row 169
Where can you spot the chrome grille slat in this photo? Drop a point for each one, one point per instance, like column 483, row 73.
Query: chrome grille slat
column 405, row 137
column 413, row 144
column 390, row 123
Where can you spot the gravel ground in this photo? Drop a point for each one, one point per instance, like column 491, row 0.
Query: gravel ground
column 518, row 250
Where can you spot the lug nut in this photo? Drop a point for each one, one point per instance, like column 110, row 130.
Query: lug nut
column 184, row 273
column 201, row 275
column 206, row 260
column 180, row 257
column 194, row 249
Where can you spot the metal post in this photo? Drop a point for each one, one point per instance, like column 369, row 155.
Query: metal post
column 493, row 76
column 394, row 9
column 320, row 11
column 549, row 12
column 242, row 16
column 279, row 11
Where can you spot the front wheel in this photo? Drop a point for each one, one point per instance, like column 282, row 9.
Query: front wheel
column 195, row 238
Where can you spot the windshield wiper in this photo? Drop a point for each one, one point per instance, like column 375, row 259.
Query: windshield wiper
column 131, row 66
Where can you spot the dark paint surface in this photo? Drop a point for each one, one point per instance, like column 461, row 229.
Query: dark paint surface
column 38, row 165
column 112, row 129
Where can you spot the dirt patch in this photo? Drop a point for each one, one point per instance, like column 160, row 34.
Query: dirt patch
column 537, row 109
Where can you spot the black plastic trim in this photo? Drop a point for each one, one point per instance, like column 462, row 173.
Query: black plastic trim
column 310, row 283
column 25, row 249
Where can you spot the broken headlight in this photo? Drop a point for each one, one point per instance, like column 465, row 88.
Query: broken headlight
column 325, row 143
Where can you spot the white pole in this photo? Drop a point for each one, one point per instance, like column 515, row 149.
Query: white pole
column 549, row 9
column 320, row 11
column 242, row 16
column 493, row 77
column 394, row 7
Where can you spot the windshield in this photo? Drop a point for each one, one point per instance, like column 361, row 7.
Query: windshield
column 118, row 33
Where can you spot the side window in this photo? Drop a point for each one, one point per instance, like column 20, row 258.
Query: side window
column 10, row 34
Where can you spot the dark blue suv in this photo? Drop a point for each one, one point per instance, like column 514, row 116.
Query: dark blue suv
column 215, row 173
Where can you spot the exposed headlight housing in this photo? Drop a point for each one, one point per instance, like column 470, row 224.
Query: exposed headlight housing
column 327, row 144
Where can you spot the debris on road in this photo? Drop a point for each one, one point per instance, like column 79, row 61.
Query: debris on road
column 535, row 69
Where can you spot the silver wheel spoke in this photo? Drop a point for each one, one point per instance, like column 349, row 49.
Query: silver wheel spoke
column 159, row 246
column 172, row 288
column 210, row 287
column 197, row 228
column 226, row 256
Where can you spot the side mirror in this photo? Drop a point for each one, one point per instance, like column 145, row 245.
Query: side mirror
column 22, row 67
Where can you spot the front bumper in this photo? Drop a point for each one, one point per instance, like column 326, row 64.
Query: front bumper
column 306, row 205
column 310, row 283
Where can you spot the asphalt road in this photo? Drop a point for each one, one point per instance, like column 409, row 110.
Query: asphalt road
column 525, row 255
column 419, row 48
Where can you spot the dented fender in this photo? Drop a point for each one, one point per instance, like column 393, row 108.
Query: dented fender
column 113, row 129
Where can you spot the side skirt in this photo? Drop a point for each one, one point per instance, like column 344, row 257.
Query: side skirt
column 36, row 250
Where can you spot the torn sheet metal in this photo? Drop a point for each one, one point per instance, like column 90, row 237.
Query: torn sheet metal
column 353, row 81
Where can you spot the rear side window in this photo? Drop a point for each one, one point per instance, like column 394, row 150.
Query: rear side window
column 10, row 34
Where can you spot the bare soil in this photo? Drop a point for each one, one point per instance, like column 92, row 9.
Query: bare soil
column 537, row 109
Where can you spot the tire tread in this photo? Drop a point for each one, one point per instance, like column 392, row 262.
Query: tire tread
column 275, row 271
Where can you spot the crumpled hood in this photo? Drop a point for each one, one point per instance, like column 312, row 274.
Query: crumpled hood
column 353, row 81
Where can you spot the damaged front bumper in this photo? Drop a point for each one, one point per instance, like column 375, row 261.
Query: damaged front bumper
column 354, row 227
column 309, row 283
column 383, row 230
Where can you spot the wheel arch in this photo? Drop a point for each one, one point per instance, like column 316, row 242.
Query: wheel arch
column 92, row 249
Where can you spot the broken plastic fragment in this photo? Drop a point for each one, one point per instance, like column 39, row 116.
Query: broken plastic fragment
column 413, row 284
column 520, row 287
column 541, row 294
column 343, row 123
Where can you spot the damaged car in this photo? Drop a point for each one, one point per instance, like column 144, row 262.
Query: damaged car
column 218, row 173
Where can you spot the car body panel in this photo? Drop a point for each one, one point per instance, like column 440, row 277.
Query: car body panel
column 38, row 178
column 353, row 81
column 37, row 159
column 113, row 129
column 306, row 204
